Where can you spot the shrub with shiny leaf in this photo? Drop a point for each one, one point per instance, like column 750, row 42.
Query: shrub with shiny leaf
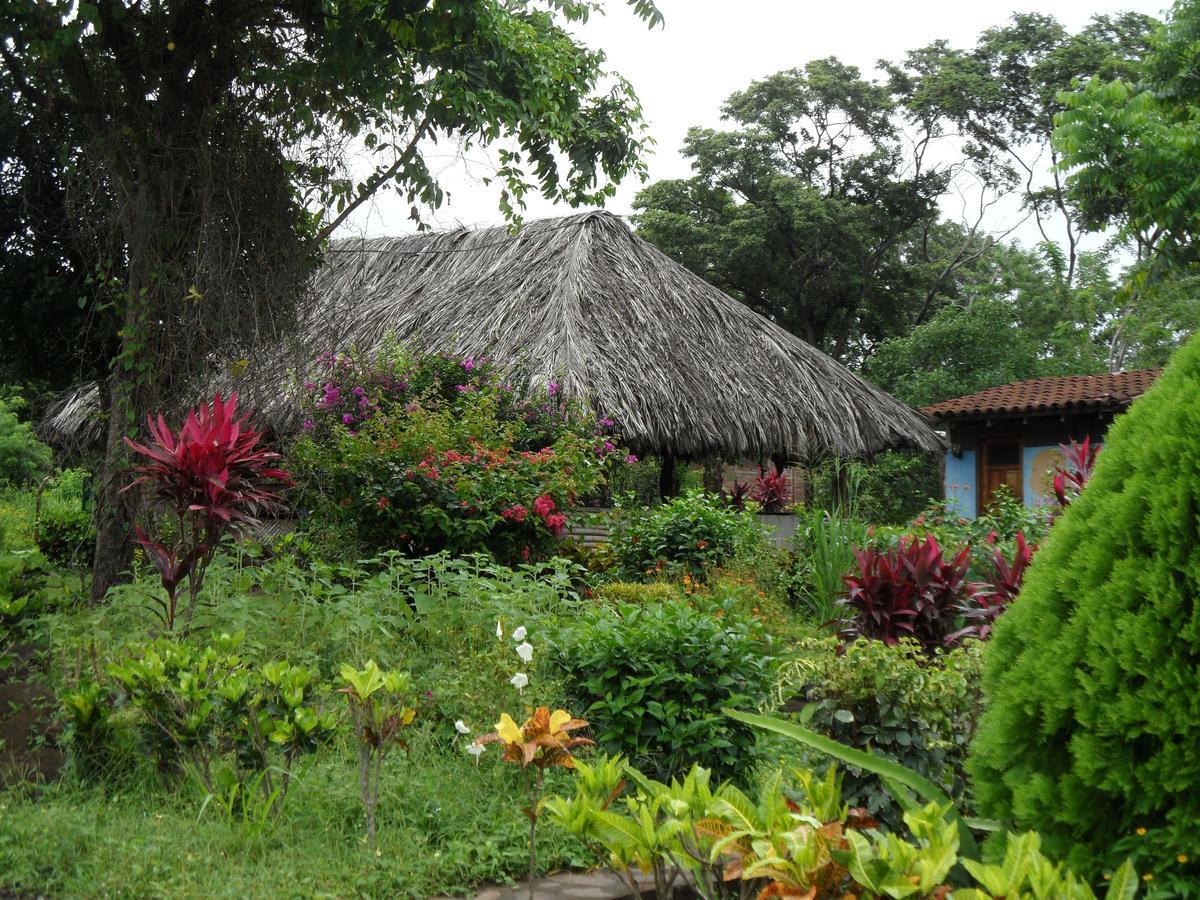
column 212, row 713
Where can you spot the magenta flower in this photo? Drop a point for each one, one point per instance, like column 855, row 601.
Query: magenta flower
column 347, row 419
column 631, row 459
column 553, row 388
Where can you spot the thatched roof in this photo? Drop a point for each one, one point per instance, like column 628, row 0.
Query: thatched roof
column 583, row 301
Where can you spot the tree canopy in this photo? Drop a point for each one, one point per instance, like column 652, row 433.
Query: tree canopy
column 825, row 204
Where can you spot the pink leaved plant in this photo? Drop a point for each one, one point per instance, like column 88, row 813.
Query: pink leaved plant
column 214, row 477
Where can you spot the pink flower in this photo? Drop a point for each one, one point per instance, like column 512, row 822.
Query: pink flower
column 468, row 364
column 543, row 505
column 631, row 459
column 307, row 425
column 553, row 388
column 347, row 419
column 556, row 523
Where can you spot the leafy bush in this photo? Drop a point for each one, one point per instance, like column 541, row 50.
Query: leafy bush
column 770, row 491
column 206, row 711
column 796, row 837
column 618, row 593
column 1073, row 476
column 23, row 458
column 427, row 453
column 911, row 590
column 689, row 533
column 66, row 534
column 895, row 702
column 654, row 679
column 1091, row 716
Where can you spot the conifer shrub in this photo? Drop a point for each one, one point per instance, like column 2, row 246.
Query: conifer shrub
column 1092, row 714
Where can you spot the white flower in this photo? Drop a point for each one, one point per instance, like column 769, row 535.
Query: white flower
column 476, row 750
column 525, row 651
column 461, row 727
column 519, row 634
column 499, row 631
column 520, row 681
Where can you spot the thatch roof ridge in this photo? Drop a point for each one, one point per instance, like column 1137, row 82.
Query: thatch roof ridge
column 583, row 300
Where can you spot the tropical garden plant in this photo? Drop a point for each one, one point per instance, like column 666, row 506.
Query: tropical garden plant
column 215, row 476
column 381, row 705
column 542, row 742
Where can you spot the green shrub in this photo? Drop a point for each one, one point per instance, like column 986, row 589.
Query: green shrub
column 23, row 458
column 688, row 533
column 1091, row 716
column 894, row 701
column 66, row 533
column 654, row 679
column 618, row 593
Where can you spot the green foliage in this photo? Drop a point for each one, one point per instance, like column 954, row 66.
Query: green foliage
column 381, row 704
column 654, row 678
column 23, row 458
column 64, row 525
column 895, row 702
column 1130, row 141
column 737, row 845
column 1085, row 716
column 66, row 534
column 211, row 713
column 622, row 593
column 690, row 533
column 824, row 547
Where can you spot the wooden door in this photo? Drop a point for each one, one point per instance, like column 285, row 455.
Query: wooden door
column 1000, row 464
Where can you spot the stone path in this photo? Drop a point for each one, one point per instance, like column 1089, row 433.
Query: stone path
column 597, row 885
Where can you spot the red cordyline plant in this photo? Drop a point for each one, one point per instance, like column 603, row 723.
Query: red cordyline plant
column 988, row 599
column 214, row 476
column 1076, row 471
column 910, row 590
column 770, row 491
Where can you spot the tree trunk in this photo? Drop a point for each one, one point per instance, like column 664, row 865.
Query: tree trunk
column 668, row 484
column 714, row 474
column 114, row 513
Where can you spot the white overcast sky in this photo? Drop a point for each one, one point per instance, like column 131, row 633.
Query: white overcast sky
column 707, row 49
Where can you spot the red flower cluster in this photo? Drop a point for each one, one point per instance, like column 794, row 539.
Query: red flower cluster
column 556, row 523
column 543, row 505
column 515, row 513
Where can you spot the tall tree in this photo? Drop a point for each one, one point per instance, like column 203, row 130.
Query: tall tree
column 212, row 130
column 1130, row 143
column 1001, row 96
column 801, row 209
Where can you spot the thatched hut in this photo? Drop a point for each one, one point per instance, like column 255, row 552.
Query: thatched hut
column 687, row 371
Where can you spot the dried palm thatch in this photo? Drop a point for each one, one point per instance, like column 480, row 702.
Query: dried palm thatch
column 584, row 302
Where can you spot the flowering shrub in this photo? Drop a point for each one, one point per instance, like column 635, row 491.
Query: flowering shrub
column 427, row 453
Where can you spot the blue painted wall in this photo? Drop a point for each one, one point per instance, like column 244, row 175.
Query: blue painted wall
column 1037, row 435
column 960, row 483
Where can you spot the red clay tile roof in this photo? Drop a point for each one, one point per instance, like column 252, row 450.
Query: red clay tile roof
column 1072, row 393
